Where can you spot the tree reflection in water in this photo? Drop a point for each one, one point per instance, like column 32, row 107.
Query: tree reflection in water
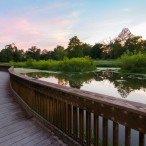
column 125, row 83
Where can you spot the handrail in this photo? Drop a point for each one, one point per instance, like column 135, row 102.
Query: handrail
column 77, row 113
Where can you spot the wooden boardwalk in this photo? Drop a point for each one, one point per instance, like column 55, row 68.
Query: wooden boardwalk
column 16, row 128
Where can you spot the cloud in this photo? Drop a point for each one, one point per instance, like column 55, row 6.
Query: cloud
column 126, row 10
column 25, row 32
column 139, row 29
column 53, row 23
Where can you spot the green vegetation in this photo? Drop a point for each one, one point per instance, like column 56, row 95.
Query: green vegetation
column 75, row 49
column 135, row 63
column 75, row 58
column 66, row 65
column 108, row 63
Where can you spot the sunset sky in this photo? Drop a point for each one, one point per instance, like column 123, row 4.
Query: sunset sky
column 48, row 23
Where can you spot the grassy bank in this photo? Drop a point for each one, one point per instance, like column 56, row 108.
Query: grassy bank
column 67, row 65
column 135, row 63
column 107, row 63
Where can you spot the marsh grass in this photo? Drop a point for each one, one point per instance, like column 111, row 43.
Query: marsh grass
column 67, row 65
column 135, row 63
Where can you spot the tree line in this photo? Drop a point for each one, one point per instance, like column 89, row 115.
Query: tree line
column 76, row 48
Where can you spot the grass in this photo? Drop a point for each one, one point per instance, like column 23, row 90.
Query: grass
column 107, row 63
column 135, row 63
column 67, row 65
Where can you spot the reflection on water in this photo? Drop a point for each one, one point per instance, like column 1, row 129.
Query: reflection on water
column 127, row 86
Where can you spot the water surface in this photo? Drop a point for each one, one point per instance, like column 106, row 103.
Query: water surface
column 126, row 86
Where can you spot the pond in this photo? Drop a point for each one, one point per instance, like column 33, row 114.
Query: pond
column 127, row 86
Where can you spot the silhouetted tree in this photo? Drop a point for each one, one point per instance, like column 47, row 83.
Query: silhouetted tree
column 96, row 51
column 33, row 53
column 116, row 50
column 11, row 53
column 59, row 53
column 74, row 48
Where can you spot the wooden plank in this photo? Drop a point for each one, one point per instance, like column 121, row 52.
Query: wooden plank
column 127, row 136
column 15, row 127
column 96, row 130
column 105, row 132
column 69, row 119
column 88, row 128
column 75, row 123
column 141, row 139
column 81, row 128
column 115, row 134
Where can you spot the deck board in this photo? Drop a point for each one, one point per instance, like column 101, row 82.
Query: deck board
column 16, row 128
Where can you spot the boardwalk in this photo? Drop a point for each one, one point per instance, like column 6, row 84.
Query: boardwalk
column 16, row 128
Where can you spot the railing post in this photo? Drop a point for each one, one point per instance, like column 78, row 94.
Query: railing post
column 115, row 134
column 105, row 132
column 127, row 136
column 88, row 128
column 96, row 130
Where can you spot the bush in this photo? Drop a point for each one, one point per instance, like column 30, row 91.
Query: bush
column 67, row 65
column 30, row 62
column 135, row 63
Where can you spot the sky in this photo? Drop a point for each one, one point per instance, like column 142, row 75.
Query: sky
column 48, row 23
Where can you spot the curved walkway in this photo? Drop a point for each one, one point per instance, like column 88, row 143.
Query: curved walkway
column 16, row 128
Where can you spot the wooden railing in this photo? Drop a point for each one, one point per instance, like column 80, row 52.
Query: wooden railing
column 82, row 115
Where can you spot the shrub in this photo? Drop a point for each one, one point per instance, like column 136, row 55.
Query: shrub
column 67, row 65
column 30, row 62
column 134, row 63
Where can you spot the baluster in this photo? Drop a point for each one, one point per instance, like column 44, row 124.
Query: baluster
column 115, row 134
column 105, row 132
column 53, row 114
column 35, row 102
column 41, row 108
column 61, row 114
column 69, row 119
column 96, row 130
column 39, row 103
column 45, row 107
column 127, row 136
column 141, row 139
column 48, row 109
column 81, row 120
column 75, row 122
column 57, row 113
column 64, row 116
column 88, row 128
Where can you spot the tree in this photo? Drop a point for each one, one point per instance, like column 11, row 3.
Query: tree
column 74, row 42
column 116, row 50
column 74, row 48
column 96, row 51
column 44, row 55
column 134, row 44
column 59, row 53
column 33, row 53
column 86, row 48
column 11, row 53
column 144, row 45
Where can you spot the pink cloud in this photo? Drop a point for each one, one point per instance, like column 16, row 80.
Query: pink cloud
column 45, row 34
